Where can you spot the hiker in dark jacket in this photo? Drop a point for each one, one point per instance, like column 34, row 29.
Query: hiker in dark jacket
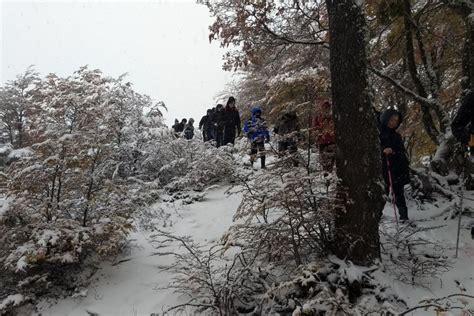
column 181, row 125
column 394, row 159
column 175, row 126
column 218, row 123
column 256, row 130
column 232, row 122
column 288, row 129
column 463, row 123
column 206, row 127
column 189, row 129
column 463, row 129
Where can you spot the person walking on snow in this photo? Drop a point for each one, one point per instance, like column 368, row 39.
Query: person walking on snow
column 218, row 122
column 288, row 129
column 175, row 127
column 232, row 122
column 256, row 130
column 205, row 126
column 323, row 128
column 463, row 129
column 394, row 157
column 189, row 129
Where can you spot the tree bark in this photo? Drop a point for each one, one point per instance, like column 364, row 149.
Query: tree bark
column 358, row 151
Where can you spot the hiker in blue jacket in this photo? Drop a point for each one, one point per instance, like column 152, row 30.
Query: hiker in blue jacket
column 256, row 130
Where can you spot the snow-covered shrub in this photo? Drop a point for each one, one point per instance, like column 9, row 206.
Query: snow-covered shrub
column 411, row 255
column 192, row 164
column 73, row 190
column 287, row 211
column 216, row 284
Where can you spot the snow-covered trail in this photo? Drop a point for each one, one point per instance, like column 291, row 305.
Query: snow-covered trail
column 460, row 278
column 131, row 287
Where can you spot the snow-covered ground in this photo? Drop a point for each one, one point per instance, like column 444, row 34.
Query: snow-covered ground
column 132, row 286
column 460, row 278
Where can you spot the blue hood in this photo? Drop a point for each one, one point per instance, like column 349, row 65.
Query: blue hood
column 256, row 109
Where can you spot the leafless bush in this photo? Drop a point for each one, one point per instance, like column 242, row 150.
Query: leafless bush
column 411, row 256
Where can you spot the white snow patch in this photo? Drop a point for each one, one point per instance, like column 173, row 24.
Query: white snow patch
column 20, row 153
column 14, row 300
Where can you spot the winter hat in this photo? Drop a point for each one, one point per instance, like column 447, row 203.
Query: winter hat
column 387, row 114
column 256, row 109
column 231, row 100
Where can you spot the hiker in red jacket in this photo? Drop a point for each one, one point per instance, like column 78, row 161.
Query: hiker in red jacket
column 323, row 129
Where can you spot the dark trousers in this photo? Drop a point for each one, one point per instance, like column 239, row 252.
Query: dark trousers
column 327, row 154
column 258, row 148
column 219, row 137
column 400, row 201
column 288, row 144
column 229, row 136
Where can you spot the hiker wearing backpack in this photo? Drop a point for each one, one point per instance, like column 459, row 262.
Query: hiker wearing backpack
column 288, row 129
column 395, row 164
column 256, row 130
column 232, row 122
column 206, row 127
column 218, row 123
column 189, row 129
column 463, row 129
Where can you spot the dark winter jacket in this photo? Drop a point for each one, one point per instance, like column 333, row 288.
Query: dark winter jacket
column 463, row 124
column 256, row 128
column 218, row 120
column 390, row 138
column 179, row 127
column 232, row 119
column 189, row 130
column 287, row 124
column 205, row 122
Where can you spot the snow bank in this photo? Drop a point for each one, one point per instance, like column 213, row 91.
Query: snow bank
column 13, row 300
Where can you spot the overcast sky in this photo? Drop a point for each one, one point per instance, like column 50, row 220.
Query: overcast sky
column 163, row 45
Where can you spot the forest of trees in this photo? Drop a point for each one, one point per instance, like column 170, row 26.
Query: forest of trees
column 415, row 56
column 86, row 153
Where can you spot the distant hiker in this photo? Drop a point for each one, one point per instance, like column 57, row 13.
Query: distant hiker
column 323, row 128
column 180, row 126
column 394, row 159
column 288, row 129
column 175, row 127
column 218, row 122
column 189, row 129
column 205, row 126
column 232, row 122
column 463, row 123
column 256, row 130
column 463, row 129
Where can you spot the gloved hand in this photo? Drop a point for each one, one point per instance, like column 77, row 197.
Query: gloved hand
column 471, row 141
column 267, row 139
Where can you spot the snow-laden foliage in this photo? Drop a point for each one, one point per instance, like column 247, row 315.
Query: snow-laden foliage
column 193, row 165
column 411, row 255
column 73, row 190
column 287, row 211
column 215, row 284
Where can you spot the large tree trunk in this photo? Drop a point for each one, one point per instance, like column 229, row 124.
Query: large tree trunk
column 358, row 152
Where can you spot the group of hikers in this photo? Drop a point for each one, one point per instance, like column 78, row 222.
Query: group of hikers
column 222, row 125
